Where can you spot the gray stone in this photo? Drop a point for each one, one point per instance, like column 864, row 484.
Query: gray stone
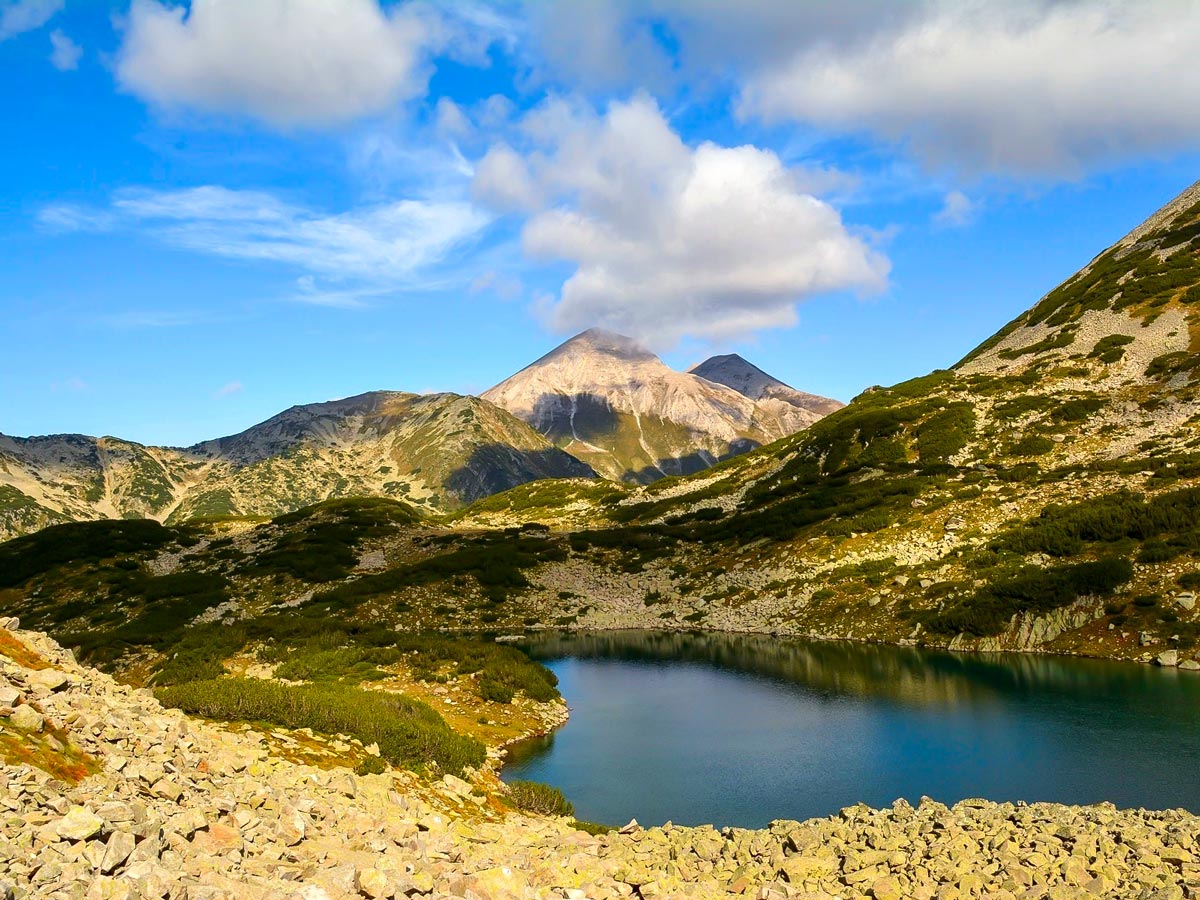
column 1168, row 658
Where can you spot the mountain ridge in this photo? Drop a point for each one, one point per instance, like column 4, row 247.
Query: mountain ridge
column 437, row 451
column 608, row 400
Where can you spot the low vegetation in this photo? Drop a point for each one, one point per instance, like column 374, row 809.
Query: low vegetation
column 538, row 798
column 409, row 733
column 1037, row 591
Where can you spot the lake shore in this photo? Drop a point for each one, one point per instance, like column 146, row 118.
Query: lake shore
column 169, row 806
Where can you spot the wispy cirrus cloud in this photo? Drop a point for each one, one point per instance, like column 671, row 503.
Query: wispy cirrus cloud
column 374, row 249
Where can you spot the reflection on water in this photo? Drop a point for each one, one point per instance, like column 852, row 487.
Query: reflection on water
column 741, row 729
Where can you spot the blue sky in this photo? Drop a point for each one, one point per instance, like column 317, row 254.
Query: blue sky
column 212, row 211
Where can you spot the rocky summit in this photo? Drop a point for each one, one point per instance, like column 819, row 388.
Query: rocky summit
column 109, row 795
column 609, row 401
column 750, row 381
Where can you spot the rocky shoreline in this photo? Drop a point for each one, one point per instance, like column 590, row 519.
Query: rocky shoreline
column 166, row 806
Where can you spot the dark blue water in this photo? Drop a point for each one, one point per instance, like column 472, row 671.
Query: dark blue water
column 740, row 730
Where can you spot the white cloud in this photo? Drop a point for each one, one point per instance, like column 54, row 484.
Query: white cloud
column 287, row 62
column 387, row 245
column 503, row 181
column 450, row 120
column 64, row 52
column 19, row 16
column 670, row 240
column 957, row 211
column 1020, row 88
column 1024, row 88
column 228, row 390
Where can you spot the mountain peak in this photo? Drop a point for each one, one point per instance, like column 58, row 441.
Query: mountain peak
column 599, row 340
column 738, row 373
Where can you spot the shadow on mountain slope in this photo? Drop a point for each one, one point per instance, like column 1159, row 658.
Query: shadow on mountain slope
column 493, row 468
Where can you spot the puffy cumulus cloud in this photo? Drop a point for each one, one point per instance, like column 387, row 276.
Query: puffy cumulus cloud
column 19, row 16
column 373, row 250
column 670, row 240
column 1019, row 88
column 503, row 181
column 287, row 62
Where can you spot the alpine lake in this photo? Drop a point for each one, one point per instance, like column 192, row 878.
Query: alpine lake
column 738, row 730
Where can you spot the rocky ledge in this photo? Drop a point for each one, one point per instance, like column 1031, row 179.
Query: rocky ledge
column 108, row 795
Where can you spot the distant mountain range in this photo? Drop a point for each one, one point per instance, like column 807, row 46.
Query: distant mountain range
column 436, row 451
column 597, row 404
column 612, row 403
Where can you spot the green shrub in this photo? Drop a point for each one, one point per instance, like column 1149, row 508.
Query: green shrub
column 1189, row 581
column 1111, row 348
column 990, row 608
column 409, row 733
column 1169, row 364
column 1031, row 445
column 1065, row 530
column 945, row 433
column 79, row 542
column 496, row 561
column 318, row 544
column 1019, row 406
column 1077, row 409
column 495, row 690
column 371, row 765
column 535, row 797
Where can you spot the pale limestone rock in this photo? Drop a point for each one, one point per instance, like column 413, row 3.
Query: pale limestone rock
column 79, row 824
column 46, row 681
column 373, row 883
column 26, row 718
column 9, row 695
column 120, row 845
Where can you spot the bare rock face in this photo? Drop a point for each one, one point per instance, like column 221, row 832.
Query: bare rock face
column 609, row 401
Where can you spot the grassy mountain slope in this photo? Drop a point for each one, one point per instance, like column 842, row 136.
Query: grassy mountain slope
column 437, row 451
